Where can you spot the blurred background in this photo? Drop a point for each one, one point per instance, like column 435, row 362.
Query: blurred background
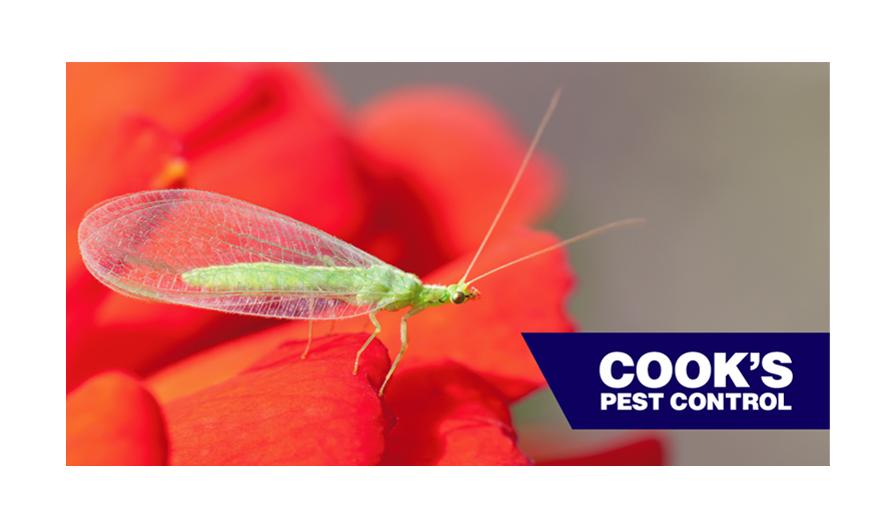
column 730, row 164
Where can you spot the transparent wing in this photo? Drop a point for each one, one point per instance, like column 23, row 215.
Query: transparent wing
column 140, row 244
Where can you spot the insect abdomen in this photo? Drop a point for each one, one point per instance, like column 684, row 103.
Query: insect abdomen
column 273, row 277
column 382, row 285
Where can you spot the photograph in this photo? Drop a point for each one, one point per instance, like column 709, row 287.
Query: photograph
column 447, row 263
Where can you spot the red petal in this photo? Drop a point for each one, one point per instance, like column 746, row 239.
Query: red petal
column 267, row 133
column 284, row 410
column 151, row 334
column 221, row 362
column 447, row 415
column 232, row 123
column 645, row 451
column 457, row 155
column 112, row 420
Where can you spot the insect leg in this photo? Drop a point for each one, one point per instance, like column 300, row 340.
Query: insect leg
column 400, row 354
column 304, row 355
column 376, row 329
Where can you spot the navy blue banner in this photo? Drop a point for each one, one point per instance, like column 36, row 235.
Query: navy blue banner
column 688, row 380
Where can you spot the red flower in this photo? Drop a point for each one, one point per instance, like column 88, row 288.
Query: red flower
column 269, row 134
column 405, row 181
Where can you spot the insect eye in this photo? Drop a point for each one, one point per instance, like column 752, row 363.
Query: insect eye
column 458, row 298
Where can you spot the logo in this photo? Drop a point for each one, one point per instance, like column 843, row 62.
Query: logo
column 688, row 380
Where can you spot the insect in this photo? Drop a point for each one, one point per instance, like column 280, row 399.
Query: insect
column 210, row 251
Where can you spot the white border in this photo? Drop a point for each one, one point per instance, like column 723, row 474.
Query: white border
column 40, row 38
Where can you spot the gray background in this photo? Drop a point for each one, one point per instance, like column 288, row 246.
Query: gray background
column 730, row 164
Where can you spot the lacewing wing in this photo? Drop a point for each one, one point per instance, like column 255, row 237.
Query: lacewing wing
column 141, row 245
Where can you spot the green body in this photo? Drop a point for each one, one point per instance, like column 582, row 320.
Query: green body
column 380, row 286
column 375, row 288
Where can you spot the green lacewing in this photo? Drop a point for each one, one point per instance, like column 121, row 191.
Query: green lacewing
column 206, row 250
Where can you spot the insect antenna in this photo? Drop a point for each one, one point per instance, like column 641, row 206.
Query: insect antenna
column 583, row 236
column 525, row 160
